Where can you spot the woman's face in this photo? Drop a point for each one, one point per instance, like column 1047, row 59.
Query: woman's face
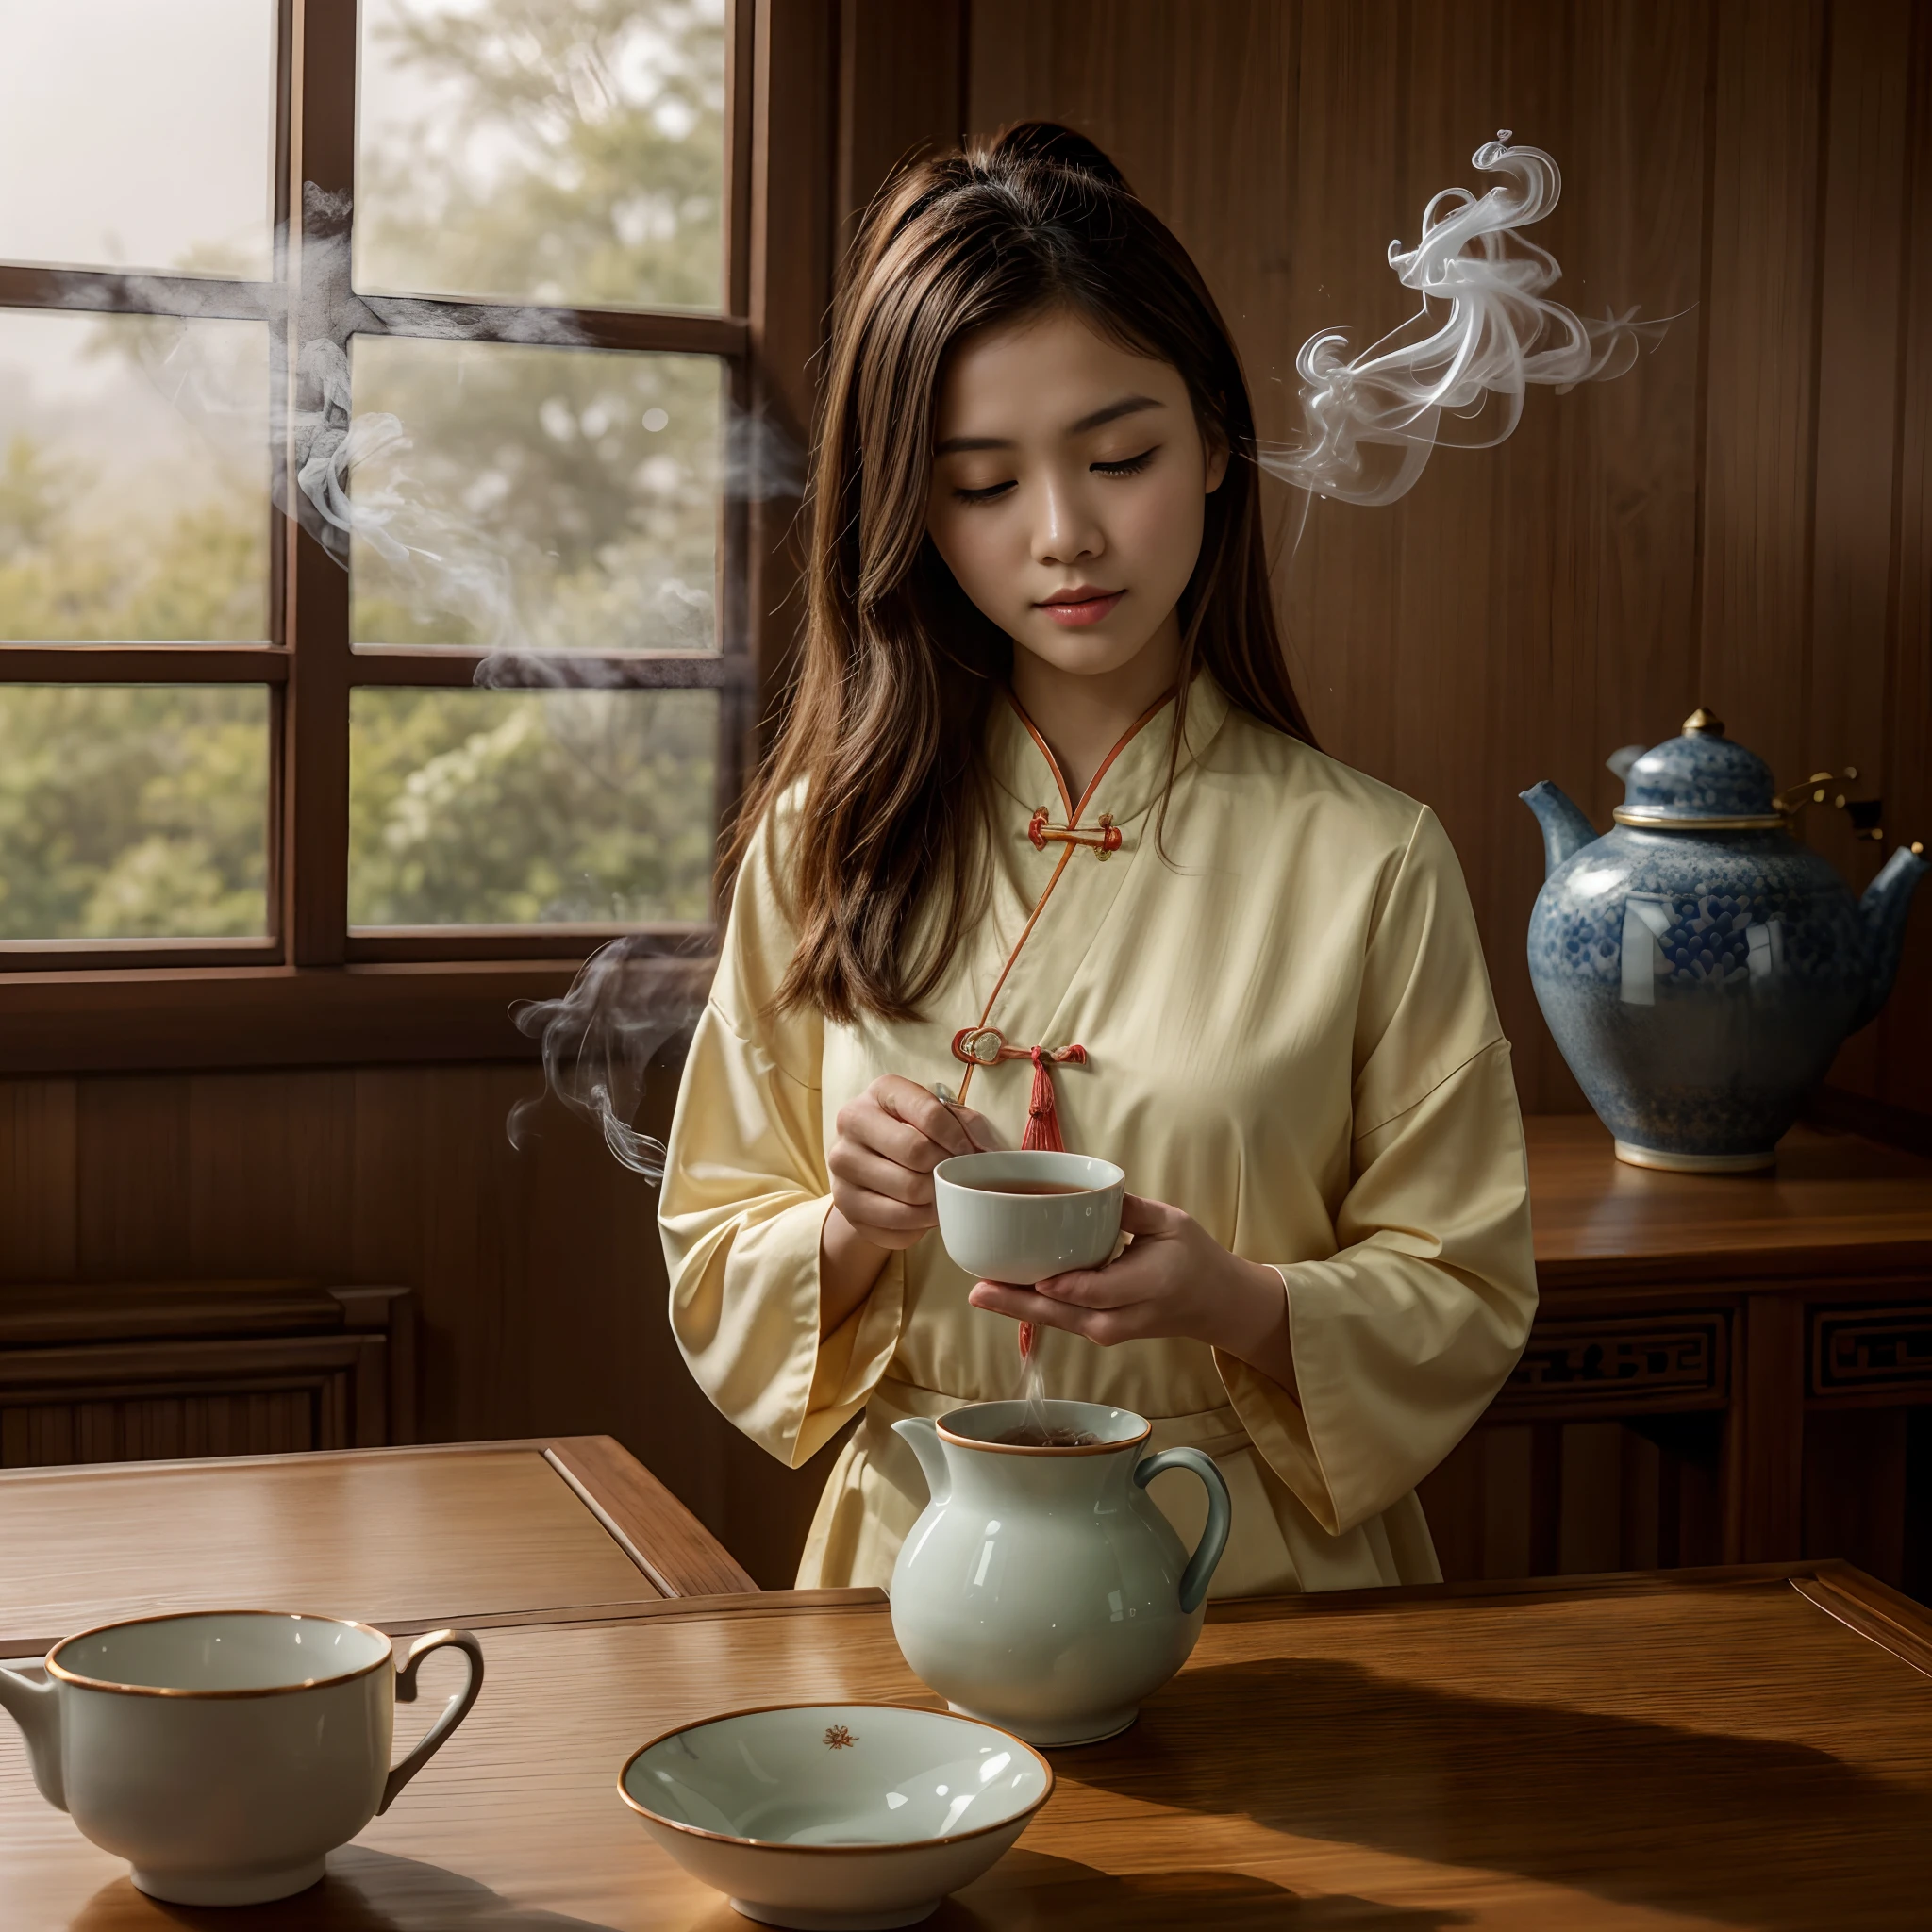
column 1069, row 486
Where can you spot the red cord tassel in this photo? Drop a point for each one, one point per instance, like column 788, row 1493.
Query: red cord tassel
column 1043, row 1115
column 984, row 1047
column 1044, row 1130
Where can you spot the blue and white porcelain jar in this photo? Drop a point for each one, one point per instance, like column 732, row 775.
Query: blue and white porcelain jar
column 1697, row 965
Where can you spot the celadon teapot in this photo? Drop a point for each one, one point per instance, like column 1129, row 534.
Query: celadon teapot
column 1698, row 966
column 1043, row 1589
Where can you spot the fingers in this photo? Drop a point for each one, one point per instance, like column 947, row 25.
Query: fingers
column 907, row 1101
column 1139, row 1215
column 859, row 1167
column 983, row 1134
column 1023, row 1305
column 1112, row 1286
column 864, row 1123
column 884, row 1222
column 890, row 1139
column 1103, row 1326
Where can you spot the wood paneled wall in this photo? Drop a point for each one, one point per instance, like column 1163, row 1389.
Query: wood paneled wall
column 540, row 1281
column 1744, row 521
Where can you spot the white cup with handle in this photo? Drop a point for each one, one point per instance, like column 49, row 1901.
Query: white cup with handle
column 225, row 1753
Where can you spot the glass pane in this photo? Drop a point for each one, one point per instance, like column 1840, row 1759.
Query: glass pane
column 133, row 478
column 133, row 811
column 568, row 154
column 534, row 498
column 485, row 808
column 138, row 134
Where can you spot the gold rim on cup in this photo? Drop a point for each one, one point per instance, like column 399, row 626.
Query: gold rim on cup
column 59, row 1670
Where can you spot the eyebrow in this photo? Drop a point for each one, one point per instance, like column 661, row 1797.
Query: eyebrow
column 1128, row 405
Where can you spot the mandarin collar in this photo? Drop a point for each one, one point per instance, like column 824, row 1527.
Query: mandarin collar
column 1132, row 781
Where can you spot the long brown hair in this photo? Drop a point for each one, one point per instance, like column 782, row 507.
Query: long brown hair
column 883, row 862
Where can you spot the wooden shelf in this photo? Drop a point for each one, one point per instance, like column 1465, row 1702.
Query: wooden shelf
column 1724, row 1368
column 1834, row 1203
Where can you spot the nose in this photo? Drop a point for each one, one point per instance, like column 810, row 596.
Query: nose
column 1067, row 532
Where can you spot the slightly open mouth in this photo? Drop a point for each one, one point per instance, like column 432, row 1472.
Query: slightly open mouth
column 1084, row 610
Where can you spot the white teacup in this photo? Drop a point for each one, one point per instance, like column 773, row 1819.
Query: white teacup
column 998, row 1224
column 225, row 1753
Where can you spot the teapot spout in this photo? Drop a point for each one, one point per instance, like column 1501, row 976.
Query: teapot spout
column 922, row 1434
column 1882, row 913
column 1566, row 831
column 35, row 1708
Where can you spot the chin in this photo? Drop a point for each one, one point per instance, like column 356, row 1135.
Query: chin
column 1084, row 654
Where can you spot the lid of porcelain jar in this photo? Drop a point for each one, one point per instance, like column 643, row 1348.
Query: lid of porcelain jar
column 1700, row 782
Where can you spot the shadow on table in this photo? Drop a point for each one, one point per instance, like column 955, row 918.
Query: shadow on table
column 1746, row 1831
column 1029, row 1891
column 364, row 1891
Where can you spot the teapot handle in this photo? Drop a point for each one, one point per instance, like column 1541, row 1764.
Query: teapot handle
column 1200, row 1570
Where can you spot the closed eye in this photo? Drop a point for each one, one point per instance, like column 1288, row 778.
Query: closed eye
column 991, row 492
column 1128, row 466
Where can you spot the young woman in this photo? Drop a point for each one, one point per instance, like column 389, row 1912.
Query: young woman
column 1045, row 818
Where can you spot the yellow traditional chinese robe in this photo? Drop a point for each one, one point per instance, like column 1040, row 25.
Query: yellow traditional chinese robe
column 1290, row 1034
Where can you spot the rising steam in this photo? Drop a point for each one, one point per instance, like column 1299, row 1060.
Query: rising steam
column 632, row 1000
column 349, row 478
column 1369, row 421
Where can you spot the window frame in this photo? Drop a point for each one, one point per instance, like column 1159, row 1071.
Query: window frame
column 67, row 1003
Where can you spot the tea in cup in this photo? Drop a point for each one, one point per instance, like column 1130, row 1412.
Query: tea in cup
column 225, row 1754
column 1025, row 1215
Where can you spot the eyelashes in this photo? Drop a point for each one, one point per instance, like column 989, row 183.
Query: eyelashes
column 1127, row 466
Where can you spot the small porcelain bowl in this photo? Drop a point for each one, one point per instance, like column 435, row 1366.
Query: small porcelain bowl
column 848, row 1816
column 997, row 1224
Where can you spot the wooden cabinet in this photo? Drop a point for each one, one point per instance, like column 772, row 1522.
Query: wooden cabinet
column 140, row 1371
column 1725, row 1368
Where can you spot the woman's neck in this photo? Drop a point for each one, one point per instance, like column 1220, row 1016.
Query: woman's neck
column 1083, row 715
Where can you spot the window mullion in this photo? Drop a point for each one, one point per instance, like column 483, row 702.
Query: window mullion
column 443, row 666
column 321, row 183
column 141, row 663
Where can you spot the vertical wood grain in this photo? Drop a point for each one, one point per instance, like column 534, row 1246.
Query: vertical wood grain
column 135, row 1179
column 1452, row 1500
column 1771, row 1397
column 39, row 1215
column 1860, row 279
column 901, row 89
column 1902, row 1072
column 1525, row 610
column 793, row 226
column 1855, row 1488
column 270, row 1167
column 1754, row 644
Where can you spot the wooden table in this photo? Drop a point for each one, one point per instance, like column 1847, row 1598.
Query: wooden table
column 1724, row 1750
column 1763, row 1341
column 406, row 1539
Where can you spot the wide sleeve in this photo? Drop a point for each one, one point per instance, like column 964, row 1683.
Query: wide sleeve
column 745, row 1195
column 1402, row 1337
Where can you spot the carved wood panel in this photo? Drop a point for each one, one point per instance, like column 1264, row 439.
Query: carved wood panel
column 1631, row 1365
column 1872, row 1352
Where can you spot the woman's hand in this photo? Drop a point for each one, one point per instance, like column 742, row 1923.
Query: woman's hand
column 890, row 1139
column 1174, row 1279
